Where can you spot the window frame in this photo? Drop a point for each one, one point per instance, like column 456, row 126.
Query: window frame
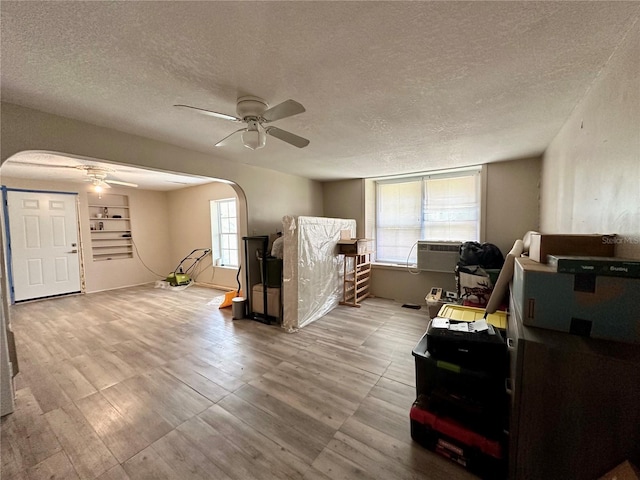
column 218, row 233
column 475, row 171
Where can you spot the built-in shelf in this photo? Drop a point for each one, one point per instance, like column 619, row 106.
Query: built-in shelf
column 110, row 237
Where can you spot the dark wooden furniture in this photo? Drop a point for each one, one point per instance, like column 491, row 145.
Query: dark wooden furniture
column 575, row 405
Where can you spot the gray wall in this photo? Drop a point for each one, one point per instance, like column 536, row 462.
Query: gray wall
column 512, row 201
column 345, row 199
column 510, row 210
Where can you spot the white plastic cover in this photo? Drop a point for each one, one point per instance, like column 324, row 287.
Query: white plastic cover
column 312, row 268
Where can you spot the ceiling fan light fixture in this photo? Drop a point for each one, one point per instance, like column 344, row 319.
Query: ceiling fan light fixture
column 99, row 185
column 254, row 137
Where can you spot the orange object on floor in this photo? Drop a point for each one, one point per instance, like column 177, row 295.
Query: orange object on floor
column 228, row 298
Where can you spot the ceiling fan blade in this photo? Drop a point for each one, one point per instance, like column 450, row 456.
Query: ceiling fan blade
column 288, row 137
column 285, row 109
column 124, row 184
column 223, row 141
column 46, row 165
column 223, row 116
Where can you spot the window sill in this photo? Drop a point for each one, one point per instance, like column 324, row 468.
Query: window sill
column 393, row 266
column 403, row 268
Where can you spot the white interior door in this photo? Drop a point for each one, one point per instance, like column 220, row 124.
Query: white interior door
column 44, row 244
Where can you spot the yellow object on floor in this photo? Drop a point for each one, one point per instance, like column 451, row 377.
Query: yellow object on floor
column 228, row 298
column 471, row 314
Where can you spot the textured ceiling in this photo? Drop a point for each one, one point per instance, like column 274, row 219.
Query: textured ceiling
column 389, row 87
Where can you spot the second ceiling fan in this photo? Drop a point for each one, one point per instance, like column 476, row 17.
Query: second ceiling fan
column 255, row 112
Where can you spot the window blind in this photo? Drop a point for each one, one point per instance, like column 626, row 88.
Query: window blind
column 437, row 207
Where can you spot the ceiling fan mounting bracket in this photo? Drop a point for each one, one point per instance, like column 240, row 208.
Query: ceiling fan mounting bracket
column 250, row 106
column 99, row 173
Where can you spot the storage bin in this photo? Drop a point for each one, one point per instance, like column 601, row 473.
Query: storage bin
column 471, row 314
column 273, row 301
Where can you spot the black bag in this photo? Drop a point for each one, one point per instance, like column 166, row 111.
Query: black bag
column 472, row 281
column 486, row 255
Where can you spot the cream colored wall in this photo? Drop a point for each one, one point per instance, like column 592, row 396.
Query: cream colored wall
column 511, row 208
column 269, row 195
column 591, row 170
column 149, row 227
column 190, row 219
column 512, row 201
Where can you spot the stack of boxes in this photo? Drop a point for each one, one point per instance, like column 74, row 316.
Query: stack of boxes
column 568, row 283
column 461, row 407
column 574, row 284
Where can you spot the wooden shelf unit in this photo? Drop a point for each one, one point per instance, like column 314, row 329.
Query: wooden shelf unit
column 110, row 237
column 357, row 276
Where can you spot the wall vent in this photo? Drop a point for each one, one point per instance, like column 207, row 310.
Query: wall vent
column 438, row 256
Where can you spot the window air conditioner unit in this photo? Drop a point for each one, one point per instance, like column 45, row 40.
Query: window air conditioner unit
column 438, row 256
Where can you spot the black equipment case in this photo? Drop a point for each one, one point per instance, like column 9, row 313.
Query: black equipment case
column 475, row 397
column 474, row 350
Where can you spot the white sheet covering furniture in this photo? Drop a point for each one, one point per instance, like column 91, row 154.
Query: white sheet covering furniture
column 312, row 269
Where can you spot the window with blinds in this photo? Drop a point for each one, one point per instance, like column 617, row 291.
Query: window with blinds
column 224, row 231
column 436, row 207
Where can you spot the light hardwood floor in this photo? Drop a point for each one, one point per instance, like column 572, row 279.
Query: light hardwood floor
column 147, row 383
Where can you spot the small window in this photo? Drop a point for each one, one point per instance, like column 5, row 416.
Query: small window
column 224, row 232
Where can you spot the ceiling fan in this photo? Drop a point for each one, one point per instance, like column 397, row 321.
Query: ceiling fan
column 255, row 112
column 97, row 175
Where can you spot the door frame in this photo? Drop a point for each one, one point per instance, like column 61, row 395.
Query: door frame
column 7, row 233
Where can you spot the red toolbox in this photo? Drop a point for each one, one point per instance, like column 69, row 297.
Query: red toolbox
column 477, row 453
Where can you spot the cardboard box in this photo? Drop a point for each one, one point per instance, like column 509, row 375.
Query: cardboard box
column 624, row 471
column 273, row 301
column 353, row 246
column 583, row 304
column 610, row 266
column 588, row 245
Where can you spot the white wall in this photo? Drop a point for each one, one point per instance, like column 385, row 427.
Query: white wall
column 149, row 227
column 190, row 220
column 591, row 170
